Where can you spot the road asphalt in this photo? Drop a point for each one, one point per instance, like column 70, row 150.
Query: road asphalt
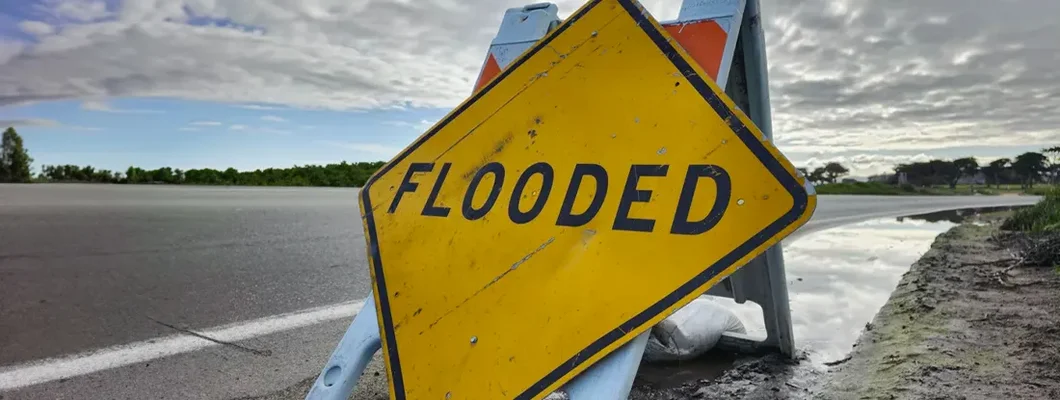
column 87, row 268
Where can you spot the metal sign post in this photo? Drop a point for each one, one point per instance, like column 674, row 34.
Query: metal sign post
column 762, row 280
column 591, row 186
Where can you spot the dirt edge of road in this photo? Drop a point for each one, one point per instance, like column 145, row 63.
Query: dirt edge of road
column 961, row 324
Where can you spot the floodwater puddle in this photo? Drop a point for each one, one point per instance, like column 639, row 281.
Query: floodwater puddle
column 838, row 279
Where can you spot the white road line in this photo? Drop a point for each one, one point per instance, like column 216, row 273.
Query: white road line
column 47, row 370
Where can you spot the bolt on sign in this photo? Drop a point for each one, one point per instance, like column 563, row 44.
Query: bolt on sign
column 597, row 185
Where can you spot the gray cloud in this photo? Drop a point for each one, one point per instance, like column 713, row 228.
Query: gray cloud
column 36, row 28
column 906, row 75
column 43, row 123
column 861, row 76
column 103, row 106
column 28, row 122
column 9, row 49
column 313, row 55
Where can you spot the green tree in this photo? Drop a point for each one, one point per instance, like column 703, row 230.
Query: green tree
column 231, row 176
column 164, row 175
column 834, row 170
column 818, row 176
column 967, row 166
column 1053, row 151
column 1029, row 167
column 1054, row 163
column 135, row 175
column 933, row 172
column 14, row 159
column 86, row 174
column 995, row 168
column 944, row 172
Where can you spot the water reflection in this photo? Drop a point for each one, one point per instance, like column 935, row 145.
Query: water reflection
column 839, row 278
column 956, row 216
column 837, row 281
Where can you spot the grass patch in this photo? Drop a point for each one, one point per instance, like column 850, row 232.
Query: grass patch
column 1042, row 217
column 986, row 191
column 880, row 188
column 1007, row 188
column 860, row 188
column 1041, row 190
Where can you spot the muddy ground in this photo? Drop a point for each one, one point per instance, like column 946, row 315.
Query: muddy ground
column 960, row 325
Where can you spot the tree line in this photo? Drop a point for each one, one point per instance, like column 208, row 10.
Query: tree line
column 1026, row 170
column 15, row 167
column 343, row 174
column 829, row 173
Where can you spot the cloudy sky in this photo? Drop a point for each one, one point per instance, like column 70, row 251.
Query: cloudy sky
column 260, row 83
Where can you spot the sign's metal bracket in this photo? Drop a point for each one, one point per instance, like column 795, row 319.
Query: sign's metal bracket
column 762, row 280
column 351, row 356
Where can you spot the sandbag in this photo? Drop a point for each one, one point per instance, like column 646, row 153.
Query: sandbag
column 691, row 331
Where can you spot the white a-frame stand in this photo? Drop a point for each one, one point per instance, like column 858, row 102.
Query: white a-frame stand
column 725, row 38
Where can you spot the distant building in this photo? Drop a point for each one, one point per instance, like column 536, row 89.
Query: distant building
column 884, row 178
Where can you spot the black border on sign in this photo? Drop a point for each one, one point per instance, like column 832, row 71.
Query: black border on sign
column 746, row 136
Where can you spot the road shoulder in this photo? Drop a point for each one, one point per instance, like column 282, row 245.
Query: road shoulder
column 959, row 325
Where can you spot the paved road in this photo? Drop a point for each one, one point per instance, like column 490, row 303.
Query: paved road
column 124, row 268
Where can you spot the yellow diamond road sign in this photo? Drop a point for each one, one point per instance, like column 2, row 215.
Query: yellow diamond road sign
column 591, row 189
